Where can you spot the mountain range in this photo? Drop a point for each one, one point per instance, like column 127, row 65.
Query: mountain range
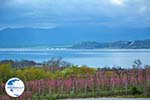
column 68, row 35
column 138, row 44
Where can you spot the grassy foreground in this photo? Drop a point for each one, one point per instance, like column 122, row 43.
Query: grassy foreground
column 50, row 83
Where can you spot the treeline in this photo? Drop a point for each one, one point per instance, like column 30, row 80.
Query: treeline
column 37, row 73
column 53, row 62
column 57, row 68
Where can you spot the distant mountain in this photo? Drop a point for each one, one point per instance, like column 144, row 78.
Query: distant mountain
column 67, row 35
column 138, row 44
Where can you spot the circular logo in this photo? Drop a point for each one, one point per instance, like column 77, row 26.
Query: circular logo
column 14, row 87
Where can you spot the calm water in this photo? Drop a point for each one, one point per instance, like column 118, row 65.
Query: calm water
column 93, row 58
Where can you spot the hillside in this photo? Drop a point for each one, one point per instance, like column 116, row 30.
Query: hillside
column 67, row 35
column 138, row 44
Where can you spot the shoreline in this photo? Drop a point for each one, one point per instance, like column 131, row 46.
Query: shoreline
column 68, row 49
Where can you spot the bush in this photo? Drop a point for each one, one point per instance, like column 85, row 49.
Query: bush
column 135, row 90
column 147, row 90
column 6, row 72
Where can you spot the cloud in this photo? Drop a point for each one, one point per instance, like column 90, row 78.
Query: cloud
column 144, row 9
column 30, row 25
column 60, row 12
column 117, row 2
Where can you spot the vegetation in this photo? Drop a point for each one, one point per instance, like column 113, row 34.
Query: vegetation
column 46, row 83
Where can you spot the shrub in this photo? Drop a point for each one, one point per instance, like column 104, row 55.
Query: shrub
column 147, row 90
column 135, row 90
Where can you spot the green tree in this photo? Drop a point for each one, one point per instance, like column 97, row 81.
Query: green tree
column 6, row 72
column 35, row 74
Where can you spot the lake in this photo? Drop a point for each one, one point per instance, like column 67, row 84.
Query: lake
column 93, row 58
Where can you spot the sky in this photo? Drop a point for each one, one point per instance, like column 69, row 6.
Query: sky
column 57, row 13
column 75, row 20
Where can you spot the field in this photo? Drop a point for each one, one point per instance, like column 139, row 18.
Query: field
column 50, row 83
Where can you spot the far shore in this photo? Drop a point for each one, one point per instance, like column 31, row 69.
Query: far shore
column 70, row 49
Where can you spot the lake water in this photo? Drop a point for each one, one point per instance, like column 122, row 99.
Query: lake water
column 92, row 58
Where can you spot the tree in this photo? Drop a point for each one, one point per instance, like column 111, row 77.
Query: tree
column 56, row 63
column 6, row 72
column 119, row 73
column 35, row 74
column 136, row 66
column 146, row 67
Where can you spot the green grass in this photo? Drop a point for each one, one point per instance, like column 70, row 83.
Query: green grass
column 122, row 93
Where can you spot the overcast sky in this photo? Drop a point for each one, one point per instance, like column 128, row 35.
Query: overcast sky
column 59, row 13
